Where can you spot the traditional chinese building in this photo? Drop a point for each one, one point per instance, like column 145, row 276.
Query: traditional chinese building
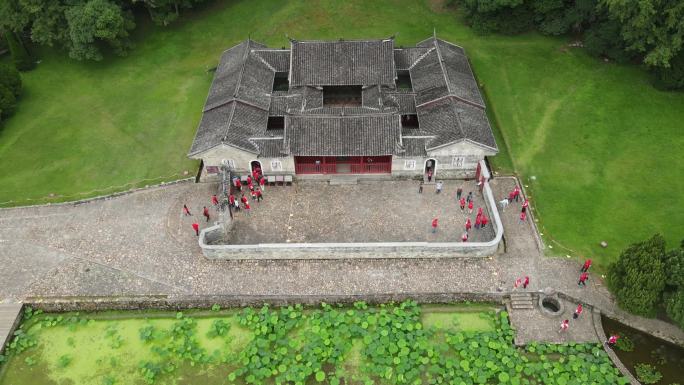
column 345, row 107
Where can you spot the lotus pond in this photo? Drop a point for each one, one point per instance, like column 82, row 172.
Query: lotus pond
column 402, row 343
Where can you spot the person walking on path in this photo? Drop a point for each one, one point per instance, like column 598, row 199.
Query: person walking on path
column 523, row 216
column 478, row 222
column 470, row 207
column 470, row 197
column 186, row 210
column 420, row 188
column 429, row 175
column 434, row 225
column 526, row 282
column 479, row 211
column 247, row 208
column 464, row 237
column 612, row 340
column 238, row 184
column 459, row 191
column 524, row 205
column 564, row 326
column 516, row 192
column 438, row 187
column 231, row 200
column 511, row 196
column 583, row 279
column 206, row 213
column 462, row 202
column 262, row 183
column 195, row 226
column 237, row 206
column 468, row 225
column 249, row 180
column 517, row 284
column 259, row 195
column 577, row 312
column 214, row 200
column 484, row 221
column 586, row 266
column 243, row 199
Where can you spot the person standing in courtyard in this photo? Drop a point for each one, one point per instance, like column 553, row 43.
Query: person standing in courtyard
column 195, row 226
column 420, row 188
column 577, row 312
column 464, row 237
column 231, row 200
column 526, row 282
column 243, row 199
column 583, row 279
column 438, row 187
column 247, row 208
column 478, row 222
column 259, row 195
column 586, row 266
column 205, row 212
column 484, row 221
column 517, row 284
column 186, row 210
column 564, row 326
column 470, row 197
column 238, row 184
column 470, row 207
column 462, row 202
column 459, row 191
column 523, row 216
column 214, row 201
column 516, row 192
column 434, row 225
column 236, row 206
column 468, row 224
column 429, row 175
column 262, row 183
column 511, row 196
column 249, row 180
column 524, row 205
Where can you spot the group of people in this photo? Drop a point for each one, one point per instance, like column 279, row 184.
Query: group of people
column 236, row 204
column 481, row 220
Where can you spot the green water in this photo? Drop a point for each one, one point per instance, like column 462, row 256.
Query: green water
column 387, row 344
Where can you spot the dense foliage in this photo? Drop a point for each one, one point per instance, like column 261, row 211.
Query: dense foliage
column 621, row 30
column 10, row 89
column 388, row 344
column 647, row 374
column 645, row 274
column 83, row 27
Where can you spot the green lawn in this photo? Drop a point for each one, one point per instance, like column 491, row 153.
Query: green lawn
column 601, row 142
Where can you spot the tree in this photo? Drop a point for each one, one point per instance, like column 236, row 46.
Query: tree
column 20, row 57
column 603, row 39
column 652, row 27
column 98, row 20
column 7, row 102
column 672, row 77
column 675, row 307
column 10, row 78
column 637, row 278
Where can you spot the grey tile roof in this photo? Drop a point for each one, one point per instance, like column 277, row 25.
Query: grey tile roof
column 452, row 120
column 342, row 136
column 445, row 97
column 414, row 146
column 404, row 58
column 270, row 148
column 323, row 63
column 278, row 59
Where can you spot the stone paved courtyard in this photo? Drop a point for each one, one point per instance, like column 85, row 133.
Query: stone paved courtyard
column 141, row 245
column 387, row 211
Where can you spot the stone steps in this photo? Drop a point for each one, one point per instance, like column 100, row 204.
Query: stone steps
column 342, row 180
column 522, row 301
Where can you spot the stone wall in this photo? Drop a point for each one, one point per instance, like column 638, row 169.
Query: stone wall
column 273, row 251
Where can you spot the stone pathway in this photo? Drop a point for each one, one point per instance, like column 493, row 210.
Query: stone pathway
column 140, row 244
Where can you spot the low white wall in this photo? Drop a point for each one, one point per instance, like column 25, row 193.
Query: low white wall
column 358, row 250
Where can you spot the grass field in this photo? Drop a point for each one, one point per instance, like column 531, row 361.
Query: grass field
column 604, row 146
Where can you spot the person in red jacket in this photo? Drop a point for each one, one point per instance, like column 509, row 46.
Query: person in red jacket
column 586, row 266
column 468, row 224
column 247, row 208
column 511, row 196
column 464, row 237
column 231, row 200
column 249, row 180
column 564, row 326
column 470, row 206
column 583, row 279
column 214, row 200
column 526, row 282
column 524, row 205
column 243, row 199
column 478, row 221
column 262, row 183
column 516, row 193
column 238, row 184
column 462, row 202
column 612, row 340
column 206, row 213
column 434, row 225
column 259, row 196
column 479, row 211
column 186, row 210
column 523, row 216
column 195, row 226
column 485, row 220
column 577, row 312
